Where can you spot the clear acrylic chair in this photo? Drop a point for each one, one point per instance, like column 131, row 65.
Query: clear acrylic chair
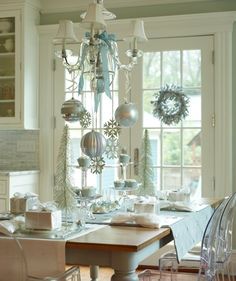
column 207, row 256
column 225, row 236
column 72, row 274
column 13, row 264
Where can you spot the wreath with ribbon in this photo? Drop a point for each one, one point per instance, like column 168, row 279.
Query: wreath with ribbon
column 170, row 105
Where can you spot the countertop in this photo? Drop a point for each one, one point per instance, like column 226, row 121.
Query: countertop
column 18, row 172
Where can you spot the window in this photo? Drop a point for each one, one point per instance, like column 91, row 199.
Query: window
column 177, row 151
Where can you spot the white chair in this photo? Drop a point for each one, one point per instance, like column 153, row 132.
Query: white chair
column 72, row 274
column 13, row 264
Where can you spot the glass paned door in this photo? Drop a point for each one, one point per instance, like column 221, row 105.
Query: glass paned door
column 182, row 153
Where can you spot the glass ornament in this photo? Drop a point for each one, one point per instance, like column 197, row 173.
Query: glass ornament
column 126, row 114
column 93, row 144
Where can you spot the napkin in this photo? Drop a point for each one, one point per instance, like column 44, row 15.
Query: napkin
column 182, row 206
column 144, row 219
column 8, row 226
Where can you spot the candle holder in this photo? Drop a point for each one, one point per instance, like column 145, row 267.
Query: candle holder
column 84, row 164
column 124, row 162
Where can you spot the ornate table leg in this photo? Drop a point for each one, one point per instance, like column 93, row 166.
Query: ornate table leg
column 124, row 266
column 94, row 272
column 124, row 276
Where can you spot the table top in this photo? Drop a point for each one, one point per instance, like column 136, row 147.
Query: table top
column 119, row 238
column 125, row 238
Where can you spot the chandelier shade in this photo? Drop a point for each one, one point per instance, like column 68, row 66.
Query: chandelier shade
column 94, row 18
column 137, row 32
column 65, row 33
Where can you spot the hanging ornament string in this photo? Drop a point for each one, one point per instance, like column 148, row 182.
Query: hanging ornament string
column 127, row 86
column 72, row 82
column 112, row 99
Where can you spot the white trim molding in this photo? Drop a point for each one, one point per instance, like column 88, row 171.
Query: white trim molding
column 58, row 6
column 219, row 25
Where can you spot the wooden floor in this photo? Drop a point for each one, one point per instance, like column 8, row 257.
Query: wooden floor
column 106, row 273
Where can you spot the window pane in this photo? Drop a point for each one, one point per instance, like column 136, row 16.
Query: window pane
column 157, row 178
column 192, row 147
column 171, row 147
column 154, row 136
column 148, row 119
column 109, row 105
column 194, row 116
column 171, row 68
column 192, row 68
column 192, row 180
column 171, row 178
column 151, row 70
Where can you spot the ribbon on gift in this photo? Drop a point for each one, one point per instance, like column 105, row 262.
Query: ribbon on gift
column 24, row 195
column 49, row 206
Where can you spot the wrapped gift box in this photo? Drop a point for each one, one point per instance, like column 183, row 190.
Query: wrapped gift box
column 19, row 205
column 44, row 220
column 178, row 196
column 144, row 207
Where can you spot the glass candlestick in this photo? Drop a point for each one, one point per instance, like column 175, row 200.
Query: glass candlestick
column 123, row 171
column 84, row 177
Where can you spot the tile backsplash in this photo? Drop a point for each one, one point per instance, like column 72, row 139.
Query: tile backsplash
column 19, row 150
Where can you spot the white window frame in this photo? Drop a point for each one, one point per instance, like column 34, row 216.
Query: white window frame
column 219, row 25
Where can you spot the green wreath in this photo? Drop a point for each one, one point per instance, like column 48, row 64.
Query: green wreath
column 170, row 105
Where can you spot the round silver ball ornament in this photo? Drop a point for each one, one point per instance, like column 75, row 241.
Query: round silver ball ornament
column 71, row 110
column 126, row 114
column 93, row 144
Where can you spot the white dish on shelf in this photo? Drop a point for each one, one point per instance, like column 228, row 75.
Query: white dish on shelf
column 5, row 25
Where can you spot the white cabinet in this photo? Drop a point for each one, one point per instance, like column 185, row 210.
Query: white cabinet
column 19, row 63
column 12, row 182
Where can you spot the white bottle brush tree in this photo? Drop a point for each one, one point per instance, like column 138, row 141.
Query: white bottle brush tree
column 64, row 194
column 146, row 173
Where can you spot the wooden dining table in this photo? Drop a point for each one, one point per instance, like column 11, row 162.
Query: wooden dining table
column 120, row 247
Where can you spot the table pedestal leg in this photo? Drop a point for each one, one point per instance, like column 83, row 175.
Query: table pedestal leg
column 94, row 272
column 124, row 275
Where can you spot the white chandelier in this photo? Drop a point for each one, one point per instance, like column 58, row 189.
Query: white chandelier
column 97, row 61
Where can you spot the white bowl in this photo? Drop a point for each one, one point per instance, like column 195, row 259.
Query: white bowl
column 5, row 26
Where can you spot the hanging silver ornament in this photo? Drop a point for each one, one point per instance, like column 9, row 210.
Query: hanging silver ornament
column 71, row 110
column 93, row 144
column 126, row 114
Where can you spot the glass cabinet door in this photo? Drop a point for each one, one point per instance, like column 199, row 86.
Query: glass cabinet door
column 7, row 67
